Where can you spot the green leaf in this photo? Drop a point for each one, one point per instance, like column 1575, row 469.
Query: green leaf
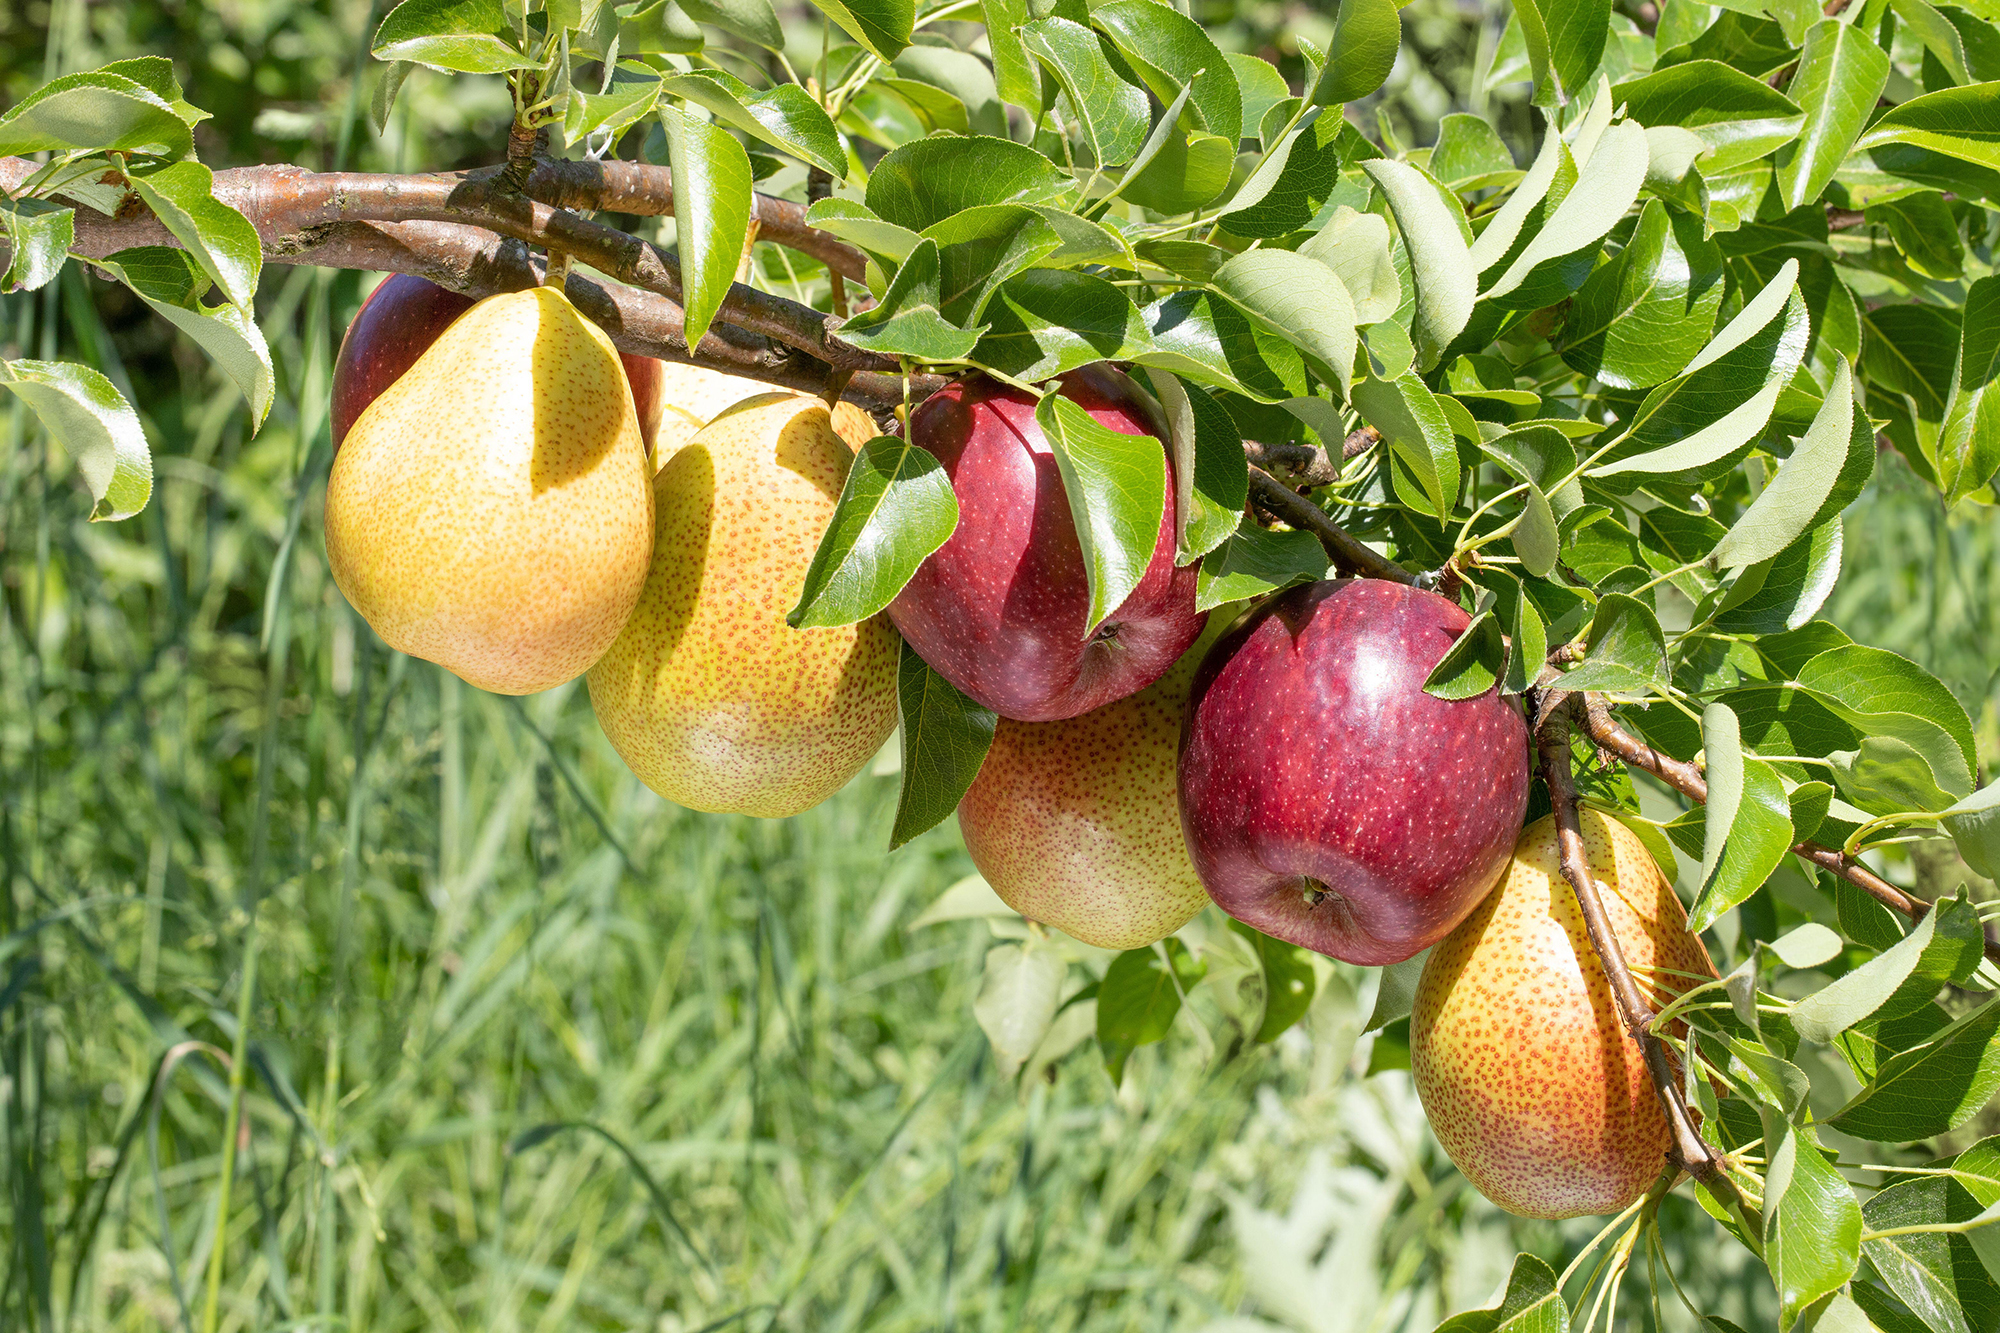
column 1739, row 117
column 1900, row 979
column 1786, row 591
column 1044, row 322
column 1812, row 1225
column 896, row 508
column 1962, row 123
column 384, row 100
column 1544, row 456
column 1626, row 652
column 965, row 77
column 1289, row 982
column 1298, row 298
column 1974, row 824
column 167, row 280
column 470, row 36
column 1503, row 229
column 786, row 117
column 1532, row 1303
column 1116, row 485
column 1114, row 114
column 883, row 26
column 1419, row 437
column 1020, row 988
column 755, row 21
column 981, row 248
column 1747, row 823
column 97, row 111
column 1173, row 53
column 1529, row 648
column 1925, row 231
column 1014, row 70
column 1446, row 280
column 857, row 224
column 1207, row 338
column 1565, row 42
column 1211, row 476
column 1937, row 34
column 1473, row 664
column 1139, row 997
column 1256, row 561
column 219, row 238
column 907, row 321
column 1292, row 183
column 1840, row 75
column 39, row 233
column 1366, row 36
column 1932, row 1089
column 1357, row 247
column 1722, row 402
column 1606, row 188
column 1642, row 317
column 1796, row 498
column 1936, row 1274
column 633, row 92
column 712, row 202
column 1968, row 450
column 1887, row 694
column 92, row 421
column 926, row 181
column 660, row 27
column 945, row 740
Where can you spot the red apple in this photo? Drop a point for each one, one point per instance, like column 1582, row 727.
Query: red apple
column 397, row 324
column 1326, row 799
column 1000, row 609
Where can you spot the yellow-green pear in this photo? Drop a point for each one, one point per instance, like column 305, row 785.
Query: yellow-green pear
column 708, row 695
column 693, row 396
column 490, row 511
column 1076, row 824
column 1526, row 1074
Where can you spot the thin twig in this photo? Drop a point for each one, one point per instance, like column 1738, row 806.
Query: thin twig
column 1688, row 1150
column 1354, row 556
column 1687, row 779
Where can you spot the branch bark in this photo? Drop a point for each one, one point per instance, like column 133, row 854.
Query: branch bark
column 1688, row 780
column 1688, row 1151
column 1352, row 555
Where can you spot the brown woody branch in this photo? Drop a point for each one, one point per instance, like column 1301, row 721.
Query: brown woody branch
column 1688, row 1151
column 1352, row 555
column 1688, row 780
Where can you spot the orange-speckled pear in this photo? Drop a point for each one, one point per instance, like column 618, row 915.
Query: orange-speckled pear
column 1526, row 1075
column 1076, row 823
column 711, row 698
column 693, row 396
column 489, row 511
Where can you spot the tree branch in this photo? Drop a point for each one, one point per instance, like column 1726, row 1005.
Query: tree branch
column 1353, row 556
column 1689, row 1151
column 1688, row 780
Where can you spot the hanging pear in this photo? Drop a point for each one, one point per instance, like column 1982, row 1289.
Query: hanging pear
column 490, row 511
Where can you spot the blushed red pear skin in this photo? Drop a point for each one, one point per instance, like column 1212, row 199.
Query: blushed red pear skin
column 1526, row 1073
column 1326, row 799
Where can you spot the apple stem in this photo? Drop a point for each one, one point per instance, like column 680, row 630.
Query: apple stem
column 1687, row 779
column 1689, row 1152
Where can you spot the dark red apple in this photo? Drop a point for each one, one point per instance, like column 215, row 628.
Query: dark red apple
column 1000, row 609
column 1326, row 799
column 397, row 324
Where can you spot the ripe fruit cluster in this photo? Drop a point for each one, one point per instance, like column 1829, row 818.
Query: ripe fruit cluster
column 514, row 501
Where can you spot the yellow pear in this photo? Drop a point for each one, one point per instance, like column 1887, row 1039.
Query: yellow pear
column 712, row 699
column 1526, row 1074
column 691, row 397
column 490, row 511
column 1076, row 823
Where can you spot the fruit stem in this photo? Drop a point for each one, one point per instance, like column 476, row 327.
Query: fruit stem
column 1688, row 780
column 1688, row 1152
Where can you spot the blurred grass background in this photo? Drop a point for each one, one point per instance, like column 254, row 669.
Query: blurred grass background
column 528, row 1047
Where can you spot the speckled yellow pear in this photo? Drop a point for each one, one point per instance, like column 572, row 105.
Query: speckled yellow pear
column 712, row 699
column 1526, row 1075
column 1076, row 824
column 693, row 396
column 490, row 510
